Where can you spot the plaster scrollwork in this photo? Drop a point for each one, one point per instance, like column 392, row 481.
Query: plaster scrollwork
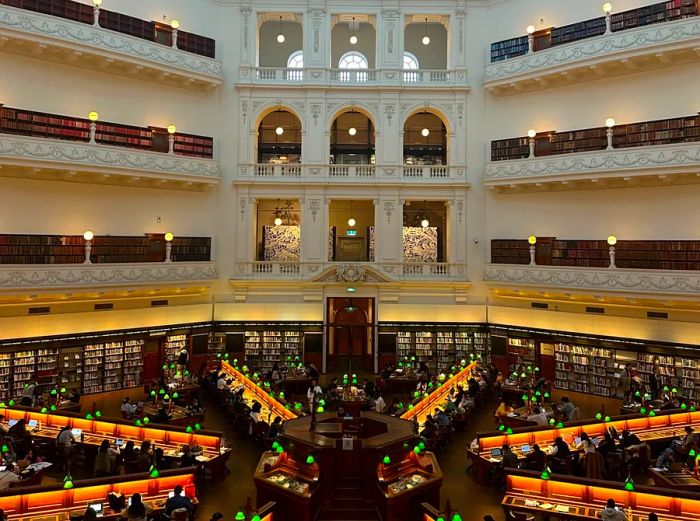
column 105, row 275
column 242, row 206
column 315, row 109
column 389, row 209
column 630, row 40
column 348, row 273
column 460, row 113
column 460, row 211
column 102, row 39
column 636, row 281
column 50, row 150
column 389, row 111
column 654, row 159
column 244, row 112
column 314, row 208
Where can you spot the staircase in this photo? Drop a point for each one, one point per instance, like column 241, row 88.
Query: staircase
column 349, row 502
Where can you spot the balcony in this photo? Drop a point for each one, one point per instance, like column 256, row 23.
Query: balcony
column 624, row 281
column 72, row 42
column 354, row 174
column 336, row 271
column 56, row 160
column 83, row 276
column 355, row 78
column 624, row 52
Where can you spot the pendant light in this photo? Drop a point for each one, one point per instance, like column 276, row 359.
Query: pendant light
column 280, row 36
column 353, row 38
column 425, row 132
column 279, row 130
column 278, row 218
column 352, row 130
column 425, row 222
column 351, row 222
column 426, row 38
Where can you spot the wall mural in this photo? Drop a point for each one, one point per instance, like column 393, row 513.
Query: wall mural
column 282, row 243
column 420, row 244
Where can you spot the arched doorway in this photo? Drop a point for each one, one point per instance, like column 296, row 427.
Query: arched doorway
column 350, row 330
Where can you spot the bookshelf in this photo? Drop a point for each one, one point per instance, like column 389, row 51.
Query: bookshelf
column 481, row 346
column 22, row 370
column 253, row 348
column 423, row 346
column 113, row 366
column 652, row 14
column 505, row 251
column 506, row 149
column 172, row 346
column 404, row 345
column 5, row 374
column 70, row 249
column 54, row 126
column 46, row 369
column 445, row 350
column 660, row 132
column 587, row 140
column 521, row 354
column 196, row 44
column 592, row 254
column 217, row 346
column 583, row 369
column 71, row 368
column 93, row 356
column 292, row 346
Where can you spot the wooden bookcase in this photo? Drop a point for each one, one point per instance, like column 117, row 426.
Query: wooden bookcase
column 62, row 8
column 505, row 251
column 513, row 148
column 511, row 48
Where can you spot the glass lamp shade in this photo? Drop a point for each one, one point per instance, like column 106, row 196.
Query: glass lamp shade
column 93, row 116
column 426, row 40
column 353, row 40
column 88, row 235
column 352, row 131
column 610, row 122
column 352, row 222
column 531, row 133
column 175, row 24
column 612, row 240
column 279, row 131
column 425, row 132
column 281, row 38
column 169, row 237
column 607, row 7
column 425, row 223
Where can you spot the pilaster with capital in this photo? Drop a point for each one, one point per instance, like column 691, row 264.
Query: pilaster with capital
column 245, row 226
column 390, row 40
column 316, row 40
column 314, row 227
column 247, row 34
column 456, row 230
column 388, row 221
column 456, row 33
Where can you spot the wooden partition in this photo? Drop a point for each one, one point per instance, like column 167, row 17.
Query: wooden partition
column 49, row 500
column 94, row 431
column 438, row 396
column 580, row 498
column 253, row 391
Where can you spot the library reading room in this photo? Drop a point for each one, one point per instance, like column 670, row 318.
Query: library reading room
column 349, row 260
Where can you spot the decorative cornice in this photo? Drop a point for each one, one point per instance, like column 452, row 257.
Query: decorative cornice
column 596, row 279
column 67, row 155
column 597, row 49
column 24, row 24
column 678, row 158
column 21, row 277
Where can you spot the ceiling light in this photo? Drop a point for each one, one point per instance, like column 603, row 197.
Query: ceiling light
column 426, row 38
column 279, row 131
column 278, row 221
column 353, row 38
column 352, row 131
column 280, row 36
column 352, row 222
column 425, row 132
column 425, row 223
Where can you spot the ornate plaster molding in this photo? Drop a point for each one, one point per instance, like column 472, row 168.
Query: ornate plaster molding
column 645, row 39
column 596, row 279
column 22, row 277
column 71, row 155
column 679, row 158
column 23, row 24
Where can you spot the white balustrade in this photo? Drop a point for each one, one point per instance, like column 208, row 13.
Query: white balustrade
column 303, row 270
column 340, row 77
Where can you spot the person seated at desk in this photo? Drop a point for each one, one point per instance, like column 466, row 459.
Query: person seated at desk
column 472, row 388
column 379, row 404
column 566, row 407
column 179, row 500
column 90, row 514
column 137, row 509
column 128, row 409
column 238, row 400
column 162, row 416
column 221, row 382
column 612, row 512
column 145, row 457
column 608, row 445
column 560, row 449
column 105, row 461
column 509, row 458
column 187, row 459
column 535, row 459
column 275, row 374
column 129, row 453
column 196, row 449
column 586, row 444
column 64, row 443
column 27, row 398
column 502, row 411
column 195, row 408
column 678, row 449
column 441, row 419
column 7, row 477
column 668, row 405
column 429, row 428
column 629, row 439
column 159, row 459
column 539, row 416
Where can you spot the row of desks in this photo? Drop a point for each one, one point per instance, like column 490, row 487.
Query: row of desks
column 583, row 499
column 55, row 503
column 170, row 439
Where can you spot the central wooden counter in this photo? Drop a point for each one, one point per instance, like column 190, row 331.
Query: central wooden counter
column 379, row 451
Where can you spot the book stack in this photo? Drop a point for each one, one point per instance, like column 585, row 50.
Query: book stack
column 509, row 48
column 505, row 251
column 505, row 149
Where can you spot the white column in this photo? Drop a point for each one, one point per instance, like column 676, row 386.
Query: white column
column 248, row 35
column 388, row 229
column 314, row 229
column 316, row 44
column 245, row 226
column 455, row 30
column 456, row 230
column 390, row 44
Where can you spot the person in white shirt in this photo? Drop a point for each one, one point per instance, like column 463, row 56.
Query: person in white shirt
column 221, row 382
column 314, row 393
column 379, row 404
column 586, row 444
column 28, row 394
column 540, row 416
column 127, row 407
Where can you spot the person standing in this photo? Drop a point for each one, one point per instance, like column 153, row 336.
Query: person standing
column 655, row 383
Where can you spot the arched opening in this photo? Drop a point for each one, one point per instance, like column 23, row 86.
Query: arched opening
column 411, row 66
column 295, row 61
column 352, row 66
column 352, row 139
column 279, row 35
column 424, row 232
column 279, row 138
column 425, row 37
column 424, row 140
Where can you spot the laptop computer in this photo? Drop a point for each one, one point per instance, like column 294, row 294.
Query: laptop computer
column 119, row 442
column 12, row 422
column 97, row 507
column 496, row 453
column 577, row 441
column 33, row 423
column 525, row 449
column 77, row 433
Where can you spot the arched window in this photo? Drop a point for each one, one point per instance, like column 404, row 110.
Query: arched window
column 410, row 64
column 295, row 61
column 353, row 60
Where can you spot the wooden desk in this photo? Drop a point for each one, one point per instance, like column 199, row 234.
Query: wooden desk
column 585, row 498
column 522, row 413
column 402, row 385
column 684, row 480
column 651, row 429
column 56, row 503
column 179, row 415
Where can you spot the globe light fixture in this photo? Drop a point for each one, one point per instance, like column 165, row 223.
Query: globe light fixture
column 612, row 240
column 607, row 7
column 425, row 132
column 172, row 129
column 352, row 222
column 169, row 236
column 278, row 221
column 279, row 131
column 531, row 133
column 610, row 122
column 532, row 240
column 93, row 116
column 88, row 235
column 175, row 24
column 97, row 3
column 426, row 38
column 280, row 36
column 530, row 29
column 425, row 223
column 353, row 38
column 352, row 131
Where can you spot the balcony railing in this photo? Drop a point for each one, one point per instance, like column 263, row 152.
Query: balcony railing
column 565, row 278
column 357, row 173
column 23, row 277
column 434, row 271
column 352, row 77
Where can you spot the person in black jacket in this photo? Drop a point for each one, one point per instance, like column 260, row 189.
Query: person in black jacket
column 655, row 383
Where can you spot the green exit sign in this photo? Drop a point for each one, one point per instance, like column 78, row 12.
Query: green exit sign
column 351, row 233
